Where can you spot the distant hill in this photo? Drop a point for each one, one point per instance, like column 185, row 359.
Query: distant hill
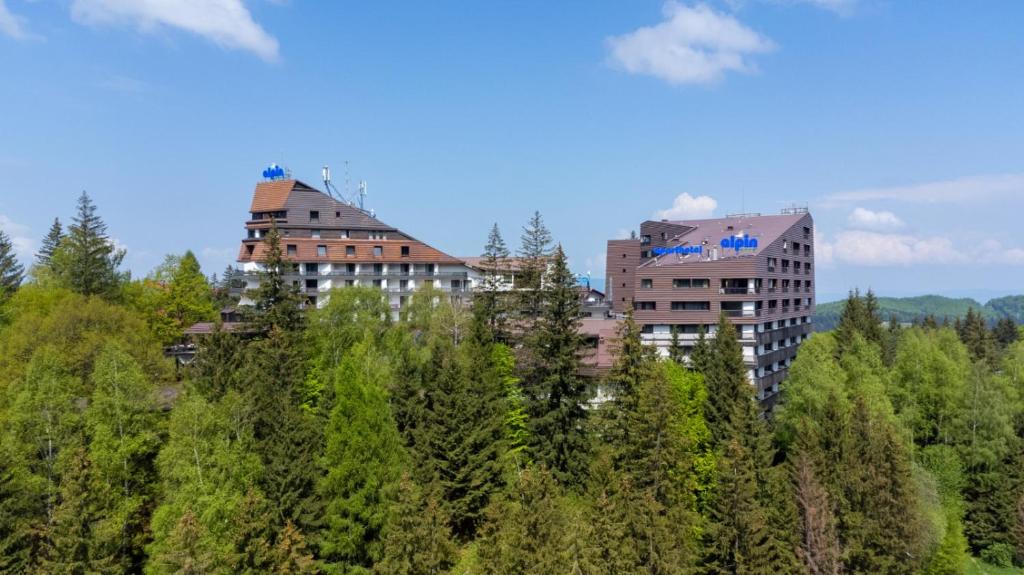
column 907, row 309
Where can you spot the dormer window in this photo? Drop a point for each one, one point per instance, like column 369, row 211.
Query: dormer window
column 314, row 216
column 315, row 233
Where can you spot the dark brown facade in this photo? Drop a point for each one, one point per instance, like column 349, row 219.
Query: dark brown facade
column 679, row 275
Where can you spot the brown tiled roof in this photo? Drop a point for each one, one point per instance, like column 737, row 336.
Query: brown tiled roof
column 603, row 358
column 271, row 196
column 306, row 251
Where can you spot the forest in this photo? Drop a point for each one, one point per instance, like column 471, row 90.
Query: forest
column 462, row 439
column 1006, row 309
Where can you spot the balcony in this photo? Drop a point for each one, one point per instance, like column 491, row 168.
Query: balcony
column 738, row 290
column 771, row 268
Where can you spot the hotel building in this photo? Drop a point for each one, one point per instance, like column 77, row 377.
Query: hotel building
column 758, row 269
column 332, row 244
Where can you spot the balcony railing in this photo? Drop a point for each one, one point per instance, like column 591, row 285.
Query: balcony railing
column 738, row 290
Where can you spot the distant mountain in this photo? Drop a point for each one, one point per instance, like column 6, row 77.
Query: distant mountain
column 907, row 309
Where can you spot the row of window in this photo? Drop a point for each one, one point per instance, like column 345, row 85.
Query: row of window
column 773, row 264
column 725, row 305
column 292, row 250
column 796, row 246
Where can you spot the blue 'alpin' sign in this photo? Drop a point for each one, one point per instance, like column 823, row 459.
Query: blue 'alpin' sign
column 739, row 243
column 682, row 250
column 273, row 172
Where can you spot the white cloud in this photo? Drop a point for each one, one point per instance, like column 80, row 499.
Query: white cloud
column 960, row 190
column 225, row 22
column 838, row 6
column 867, row 248
column 21, row 239
column 687, row 207
column 693, row 45
column 865, row 219
column 11, row 25
column 822, row 248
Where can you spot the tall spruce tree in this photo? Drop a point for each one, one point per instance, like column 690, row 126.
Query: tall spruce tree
column 675, row 347
column 534, row 255
column 700, row 355
column 67, row 536
column 634, row 365
column 11, row 272
column 729, row 391
column 277, row 304
column 416, row 540
column 490, row 303
column 50, row 243
column 556, row 392
column 87, row 261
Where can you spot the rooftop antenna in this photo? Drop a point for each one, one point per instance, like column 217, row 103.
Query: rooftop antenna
column 331, row 189
column 362, row 194
column 346, row 180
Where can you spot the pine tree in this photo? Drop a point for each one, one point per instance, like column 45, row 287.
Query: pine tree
column 87, row 261
column 291, row 556
column 976, row 337
column 363, row 460
column 634, row 363
column 11, row 272
column 534, row 255
column 555, row 389
column 459, row 442
column 819, row 548
column 490, row 302
column 675, row 348
column 871, row 322
column 416, row 540
column 729, row 390
column 123, row 424
column 851, row 320
column 68, row 533
column 17, row 513
column 188, row 551
column 277, row 304
column 525, row 531
column 1006, row 332
column 700, row 355
column 252, row 531
column 50, row 243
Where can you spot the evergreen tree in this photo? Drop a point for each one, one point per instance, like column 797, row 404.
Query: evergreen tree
column 729, row 390
column 976, row 336
column 490, row 301
column 87, row 261
column 50, row 243
column 187, row 550
column 16, row 515
column 516, row 421
column 291, row 556
column 363, row 461
column 634, row 363
column 416, row 540
column 123, row 425
column 871, row 321
column 459, row 442
column 67, row 537
column 252, row 535
column 675, row 348
column 277, row 304
column 1006, row 332
column 700, row 355
column 534, row 255
column 819, row 548
column 525, row 531
column 189, row 297
column 555, row 389
column 11, row 272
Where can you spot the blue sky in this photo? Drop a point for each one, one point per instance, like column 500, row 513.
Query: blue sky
column 898, row 123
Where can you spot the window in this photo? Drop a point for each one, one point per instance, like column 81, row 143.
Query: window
column 249, row 248
column 696, row 283
column 700, row 283
column 312, row 268
column 645, row 305
column 807, row 269
column 310, row 284
column 252, row 234
column 404, row 269
column 378, row 269
column 378, row 251
column 691, row 306
column 807, row 250
column 405, row 251
column 403, row 285
column 350, row 283
column 646, row 283
column 350, row 269
column 807, row 233
column 664, row 236
column 785, row 246
column 292, row 250
column 315, row 233
column 645, row 239
column 321, row 251
column 337, row 214
column 343, row 234
column 350, row 250
column 314, row 216
column 681, row 283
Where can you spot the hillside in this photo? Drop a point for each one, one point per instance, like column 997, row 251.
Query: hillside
column 907, row 309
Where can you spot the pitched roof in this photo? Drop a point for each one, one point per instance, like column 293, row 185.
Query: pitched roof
column 270, row 196
column 512, row 263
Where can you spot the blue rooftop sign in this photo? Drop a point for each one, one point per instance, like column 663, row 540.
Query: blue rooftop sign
column 273, row 172
column 739, row 243
column 681, row 250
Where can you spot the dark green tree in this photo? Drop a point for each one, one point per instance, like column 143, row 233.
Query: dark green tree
column 67, row 535
column 87, row 261
column 252, row 535
column 556, row 392
column 729, row 390
column 700, row 355
column 675, row 348
column 490, row 303
column 11, row 272
column 416, row 537
column 50, row 243
column 1006, row 332
column 277, row 303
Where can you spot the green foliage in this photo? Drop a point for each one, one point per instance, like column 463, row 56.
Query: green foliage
column 416, row 540
column 175, row 296
column 363, row 460
column 86, row 260
column 11, row 272
column 555, row 390
column 534, row 255
column 50, row 244
column 910, row 309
